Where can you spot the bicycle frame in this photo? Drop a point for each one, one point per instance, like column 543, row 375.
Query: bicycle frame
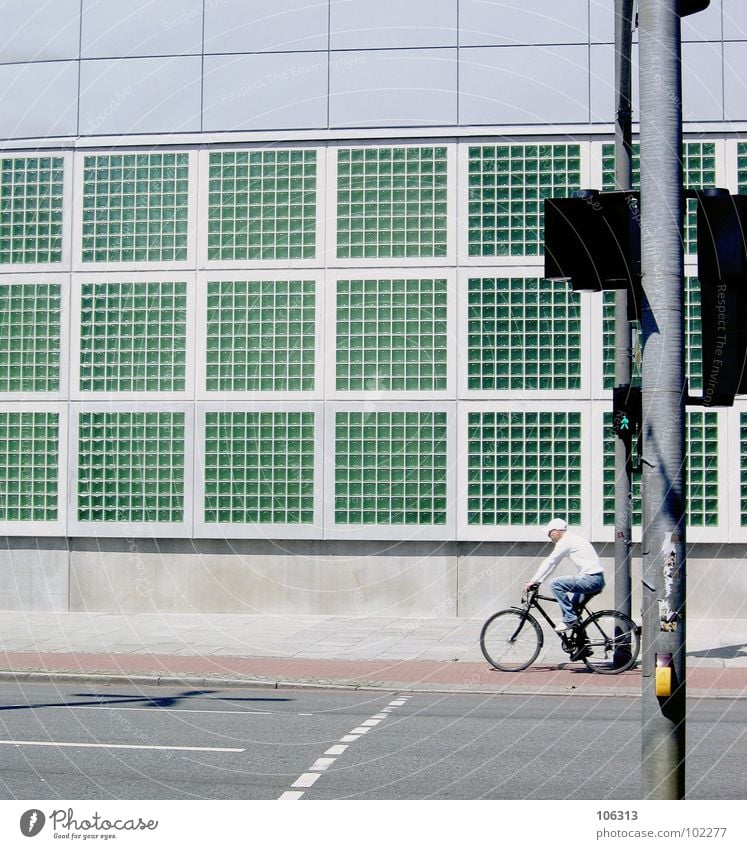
column 533, row 602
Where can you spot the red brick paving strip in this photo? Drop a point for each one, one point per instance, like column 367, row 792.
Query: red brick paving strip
column 447, row 675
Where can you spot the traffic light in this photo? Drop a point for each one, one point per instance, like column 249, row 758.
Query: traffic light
column 593, row 239
column 690, row 7
column 722, row 272
column 627, row 417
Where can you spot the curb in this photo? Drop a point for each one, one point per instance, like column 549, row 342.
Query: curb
column 37, row 676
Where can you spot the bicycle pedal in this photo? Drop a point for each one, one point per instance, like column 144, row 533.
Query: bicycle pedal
column 581, row 653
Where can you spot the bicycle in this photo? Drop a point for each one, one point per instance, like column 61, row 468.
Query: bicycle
column 608, row 642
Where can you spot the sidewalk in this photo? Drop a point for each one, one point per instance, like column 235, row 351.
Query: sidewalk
column 441, row 655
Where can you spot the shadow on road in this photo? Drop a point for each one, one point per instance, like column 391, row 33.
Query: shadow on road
column 98, row 700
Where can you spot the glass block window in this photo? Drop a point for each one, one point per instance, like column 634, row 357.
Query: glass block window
column 743, row 467
column 131, row 467
column 701, row 434
column 262, row 205
column 698, row 172
column 693, row 334
column 260, row 335
column 133, row 336
column 392, row 202
column 608, row 343
column 523, row 468
column 31, row 210
column 135, row 207
column 523, row 333
column 29, row 459
column 608, row 478
column 693, row 338
column 391, row 335
column 30, row 337
column 507, row 187
column 742, row 167
column 608, row 167
column 390, row 468
column 259, row 467
column 702, row 466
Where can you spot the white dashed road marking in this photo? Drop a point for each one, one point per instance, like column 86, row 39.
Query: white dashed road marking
column 306, row 779
column 114, row 746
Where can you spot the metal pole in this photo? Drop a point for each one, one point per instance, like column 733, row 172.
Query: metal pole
column 664, row 559
column 623, row 335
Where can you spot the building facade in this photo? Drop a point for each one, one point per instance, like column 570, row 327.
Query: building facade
column 274, row 333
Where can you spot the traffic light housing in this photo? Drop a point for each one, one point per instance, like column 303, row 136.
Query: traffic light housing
column 722, row 273
column 627, row 416
column 690, row 7
column 593, row 239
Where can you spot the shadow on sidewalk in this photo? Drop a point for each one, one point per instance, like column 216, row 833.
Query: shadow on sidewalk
column 722, row 652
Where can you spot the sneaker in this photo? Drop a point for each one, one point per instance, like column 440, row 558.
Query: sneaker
column 567, row 626
column 581, row 653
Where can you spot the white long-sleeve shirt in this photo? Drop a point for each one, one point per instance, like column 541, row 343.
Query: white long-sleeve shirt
column 580, row 552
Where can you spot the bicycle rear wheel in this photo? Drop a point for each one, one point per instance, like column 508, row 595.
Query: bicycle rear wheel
column 511, row 640
column 612, row 641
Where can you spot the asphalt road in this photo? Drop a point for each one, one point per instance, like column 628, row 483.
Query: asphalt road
column 123, row 742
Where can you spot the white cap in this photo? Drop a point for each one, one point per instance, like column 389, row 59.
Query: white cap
column 556, row 525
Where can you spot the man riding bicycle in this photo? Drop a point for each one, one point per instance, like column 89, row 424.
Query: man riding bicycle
column 588, row 580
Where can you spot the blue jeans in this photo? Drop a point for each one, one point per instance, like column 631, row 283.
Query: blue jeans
column 578, row 584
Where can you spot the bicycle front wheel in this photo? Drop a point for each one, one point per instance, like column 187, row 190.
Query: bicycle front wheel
column 612, row 641
column 511, row 640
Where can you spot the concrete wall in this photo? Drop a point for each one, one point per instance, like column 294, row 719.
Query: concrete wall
column 317, row 577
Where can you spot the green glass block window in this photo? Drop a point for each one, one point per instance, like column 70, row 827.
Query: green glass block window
column 608, row 480
column 31, row 210
column 702, row 466
column 259, row 467
column 701, row 435
column 131, row 467
column 693, row 335
column 507, row 187
column 29, row 453
column 391, row 202
column 742, row 167
column 693, row 338
column 608, row 167
column 743, row 466
column 135, row 207
column 30, row 337
column 133, row 336
column 698, row 172
column 390, row 468
column 262, row 205
column 391, row 335
column 260, row 335
column 523, row 468
column 608, row 343
column 523, row 333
